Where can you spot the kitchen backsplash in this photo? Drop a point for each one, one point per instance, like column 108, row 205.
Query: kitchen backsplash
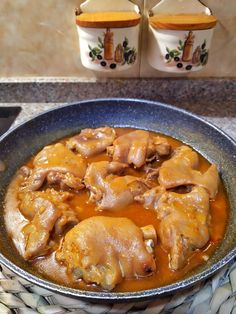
column 39, row 39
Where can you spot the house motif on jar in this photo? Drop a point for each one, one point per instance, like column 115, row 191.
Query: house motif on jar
column 109, row 34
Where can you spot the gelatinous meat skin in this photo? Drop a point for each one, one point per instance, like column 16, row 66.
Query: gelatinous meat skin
column 109, row 191
column 150, row 198
column 181, row 170
column 158, row 146
column 92, row 141
column 57, row 165
column 37, row 232
column 105, row 250
column 184, row 221
column 29, row 200
column 137, row 147
column 49, row 216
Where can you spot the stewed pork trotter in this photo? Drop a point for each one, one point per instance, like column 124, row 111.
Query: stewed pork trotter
column 92, row 141
column 105, row 250
column 137, row 147
column 180, row 170
column 56, row 165
column 184, row 221
column 109, row 191
column 49, row 216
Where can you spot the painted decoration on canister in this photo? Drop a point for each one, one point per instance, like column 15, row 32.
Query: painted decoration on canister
column 184, row 57
column 110, row 56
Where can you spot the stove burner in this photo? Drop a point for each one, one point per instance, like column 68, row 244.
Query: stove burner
column 7, row 117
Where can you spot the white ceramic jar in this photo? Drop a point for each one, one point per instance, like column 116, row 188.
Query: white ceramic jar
column 108, row 34
column 182, row 43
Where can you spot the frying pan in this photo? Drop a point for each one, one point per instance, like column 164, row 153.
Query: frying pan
column 19, row 145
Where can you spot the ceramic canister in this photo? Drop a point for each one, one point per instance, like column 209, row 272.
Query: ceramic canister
column 179, row 51
column 179, row 35
column 110, row 41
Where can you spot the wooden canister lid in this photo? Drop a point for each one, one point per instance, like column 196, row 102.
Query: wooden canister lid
column 183, row 21
column 108, row 19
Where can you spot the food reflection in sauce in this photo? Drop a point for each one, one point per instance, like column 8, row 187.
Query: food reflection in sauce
column 116, row 209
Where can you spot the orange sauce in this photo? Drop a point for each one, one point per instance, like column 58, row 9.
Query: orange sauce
column 49, row 268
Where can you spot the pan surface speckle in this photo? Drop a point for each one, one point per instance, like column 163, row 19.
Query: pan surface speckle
column 20, row 144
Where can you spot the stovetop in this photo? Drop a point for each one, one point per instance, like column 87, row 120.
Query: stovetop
column 7, row 117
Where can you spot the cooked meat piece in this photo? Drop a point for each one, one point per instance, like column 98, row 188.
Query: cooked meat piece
column 150, row 237
column 97, row 172
column 119, row 192
column 139, row 186
column 137, row 147
column 29, row 205
column 183, row 156
column 131, row 148
column 158, row 146
column 209, row 180
column 59, row 156
column 24, row 172
column 105, row 250
column 64, row 180
column 49, row 216
column 56, row 164
column 92, row 141
column 112, row 192
column 149, row 233
column 66, row 221
column 35, row 180
column 180, row 170
column 37, row 232
column 150, row 199
column 184, row 221
column 152, row 174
